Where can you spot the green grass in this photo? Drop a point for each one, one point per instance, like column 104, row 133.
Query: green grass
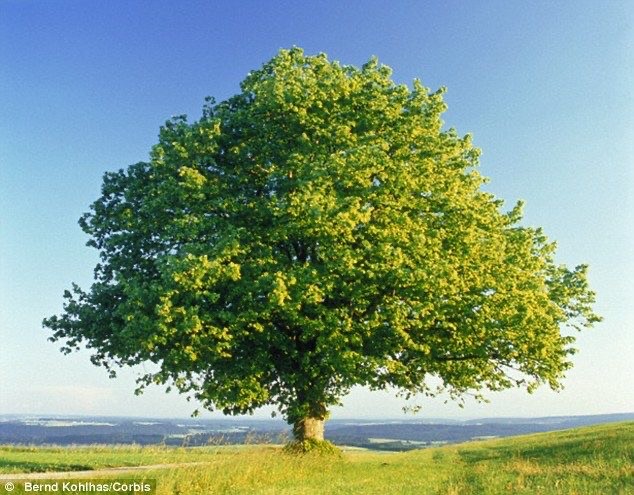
column 18, row 459
column 594, row 460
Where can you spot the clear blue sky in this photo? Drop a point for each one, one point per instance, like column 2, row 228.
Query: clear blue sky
column 546, row 88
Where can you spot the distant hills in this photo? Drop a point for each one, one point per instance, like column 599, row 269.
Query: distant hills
column 405, row 435
column 374, row 434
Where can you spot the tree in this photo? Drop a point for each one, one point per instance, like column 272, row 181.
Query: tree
column 317, row 231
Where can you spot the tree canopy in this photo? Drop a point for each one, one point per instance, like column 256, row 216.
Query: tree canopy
column 319, row 230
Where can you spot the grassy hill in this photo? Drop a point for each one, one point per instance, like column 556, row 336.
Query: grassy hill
column 590, row 460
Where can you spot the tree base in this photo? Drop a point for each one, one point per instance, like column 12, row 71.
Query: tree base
column 312, row 446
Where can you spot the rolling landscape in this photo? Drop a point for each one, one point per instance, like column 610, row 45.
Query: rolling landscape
column 587, row 460
column 388, row 435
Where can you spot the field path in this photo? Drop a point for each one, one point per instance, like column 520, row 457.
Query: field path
column 94, row 473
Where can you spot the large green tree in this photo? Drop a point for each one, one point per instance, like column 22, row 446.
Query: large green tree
column 317, row 231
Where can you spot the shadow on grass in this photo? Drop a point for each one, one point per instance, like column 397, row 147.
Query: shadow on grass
column 40, row 467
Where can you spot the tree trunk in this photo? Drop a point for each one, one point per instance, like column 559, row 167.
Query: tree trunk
column 309, row 429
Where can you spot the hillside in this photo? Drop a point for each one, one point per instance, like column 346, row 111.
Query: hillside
column 589, row 460
column 385, row 434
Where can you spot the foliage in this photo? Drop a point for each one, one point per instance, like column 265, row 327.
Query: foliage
column 317, row 231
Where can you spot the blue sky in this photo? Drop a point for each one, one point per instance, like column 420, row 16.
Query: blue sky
column 546, row 89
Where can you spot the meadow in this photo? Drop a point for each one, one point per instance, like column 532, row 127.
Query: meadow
column 590, row 460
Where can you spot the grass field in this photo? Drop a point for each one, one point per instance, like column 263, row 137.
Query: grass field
column 593, row 460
